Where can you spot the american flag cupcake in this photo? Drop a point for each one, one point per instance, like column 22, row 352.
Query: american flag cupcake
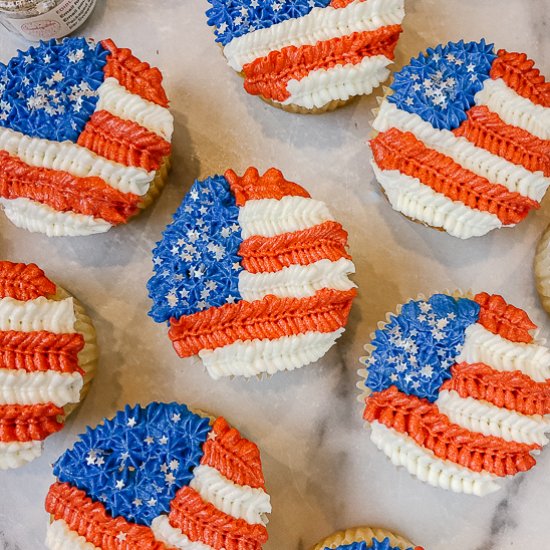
column 365, row 538
column 159, row 477
column 308, row 55
column 48, row 357
column 456, row 390
column 85, row 136
column 252, row 275
column 464, row 139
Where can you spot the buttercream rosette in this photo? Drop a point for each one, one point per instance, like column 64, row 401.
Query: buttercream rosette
column 48, row 358
column 365, row 538
column 159, row 477
column 463, row 139
column 85, row 136
column 456, row 390
column 308, row 55
column 252, row 275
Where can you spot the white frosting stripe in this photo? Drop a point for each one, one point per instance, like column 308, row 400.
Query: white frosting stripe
column 78, row 161
column 415, row 200
column 423, row 464
column 514, row 109
column 297, row 281
column 28, row 388
column 17, row 453
column 340, row 82
column 120, row 102
column 238, row 501
column 480, row 416
column 41, row 218
column 174, row 537
column 319, row 25
column 254, row 357
column 482, row 346
column 476, row 159
column 271, row 217
column 39, row 314
column 59, row 536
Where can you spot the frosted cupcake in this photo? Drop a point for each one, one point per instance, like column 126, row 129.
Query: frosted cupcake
column 456, row 391
column 364, row 538
column 464, row 139
column 252, row 275
column 85, row 136
column 47, row 360
column 308, row 55
column 159, row 477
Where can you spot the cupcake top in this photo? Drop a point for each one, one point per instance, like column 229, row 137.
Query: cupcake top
column 47, row 355
column 373, row 544
column 84, row 128
column 252, row 275
column 307, row 53
column 159, row 477
column 457, row 391
column 365, row 538
column 464, row 138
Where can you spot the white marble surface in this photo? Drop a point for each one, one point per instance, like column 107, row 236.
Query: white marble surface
column 322, row 471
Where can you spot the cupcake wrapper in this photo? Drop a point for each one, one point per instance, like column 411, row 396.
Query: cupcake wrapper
column 542, row 269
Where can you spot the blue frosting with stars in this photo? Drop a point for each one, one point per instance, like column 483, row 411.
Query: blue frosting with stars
column 233, row 18
column 50, row 91
column 135, row 463
column 417, row 348
column 440, row 86
column 196, row 263
column 374, row 544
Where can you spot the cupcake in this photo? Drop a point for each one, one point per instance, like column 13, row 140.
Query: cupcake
column 47, row 360
column 85, row 136
column 363, row 538
column 159, row 477
column 308, row 56
column 542, row 269
column 252, row 275
column 456, row 390
column 464, row 139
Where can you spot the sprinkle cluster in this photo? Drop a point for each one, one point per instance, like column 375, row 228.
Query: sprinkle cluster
column 374, row 544
column 135, row 463
column 233, row 18
column 50, row 91
column 196, row 263
column 417, row 348
column 440, row 85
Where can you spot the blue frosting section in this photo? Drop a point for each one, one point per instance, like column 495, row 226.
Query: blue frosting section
column 417, row 348
column 50, row 91
column 196, row 263
column 440, row 85
column 233, row 18
column 375, row 544
column 135, row 463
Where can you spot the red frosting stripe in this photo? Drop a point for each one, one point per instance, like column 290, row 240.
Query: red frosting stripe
column 202, row 521
column 63, row 192
column 340, row 3
column 396, row 150
column 487, row 130
column 422, row 421
column 136, row 76
column 269, row 318
column 123, row 141
column 268, row 76
column 514, row 390
column 24, row 282
column 29, row 422
column 91, row 521
column 499, row 317
column 40, row 351
column 327, row 240
column 252, row 186
column 520, row 74
column 235, row 457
